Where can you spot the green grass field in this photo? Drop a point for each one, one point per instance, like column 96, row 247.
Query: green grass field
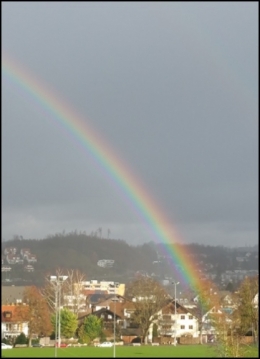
column 181, row 351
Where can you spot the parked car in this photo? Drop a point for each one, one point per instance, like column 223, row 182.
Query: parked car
column 105, row 345
column 62, row 345
column 6, row 346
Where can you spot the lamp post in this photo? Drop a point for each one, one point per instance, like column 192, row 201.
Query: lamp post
column 57, row 281
column 56, row 321
column 175, row 323
column 115, row 300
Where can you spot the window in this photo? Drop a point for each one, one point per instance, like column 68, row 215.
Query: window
column 182, row 326
column 7, row 314
column 190, row 326
column 8, row 327
column 190, row 316
column 182, row 316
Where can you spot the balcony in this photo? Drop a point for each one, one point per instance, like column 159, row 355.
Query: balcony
column 166, row 321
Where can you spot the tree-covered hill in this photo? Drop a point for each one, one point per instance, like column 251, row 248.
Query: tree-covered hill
column 82, row 252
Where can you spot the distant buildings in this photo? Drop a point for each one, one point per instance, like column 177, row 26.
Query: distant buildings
column 98, row 287
column 13, row 258
column 237, row 275
column 106, row 263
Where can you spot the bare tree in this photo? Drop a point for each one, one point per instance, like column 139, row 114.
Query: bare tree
column 231, row 328
column 148, row 297
column 247, row 308
column 73, row 291
column 207, row 298
column 229, row 336
column 49, row 289
column 70, row 291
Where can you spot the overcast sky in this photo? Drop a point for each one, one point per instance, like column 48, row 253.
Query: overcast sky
column 172, row 87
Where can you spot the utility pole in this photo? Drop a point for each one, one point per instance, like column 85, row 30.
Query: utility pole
column 57, row 281
column 175, row 323
column 116, row 285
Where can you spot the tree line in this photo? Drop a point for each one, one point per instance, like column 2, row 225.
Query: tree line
column 40, row 312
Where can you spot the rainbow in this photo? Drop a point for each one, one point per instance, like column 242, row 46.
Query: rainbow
column 76, row 127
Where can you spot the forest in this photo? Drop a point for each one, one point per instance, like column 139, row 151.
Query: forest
column 81, row 251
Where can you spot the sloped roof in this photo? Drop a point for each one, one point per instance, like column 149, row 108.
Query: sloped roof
column 10, row 294
column 12, row 309
column 96, row 297
column 170, row 308
column 98, row 314
column 119, row 306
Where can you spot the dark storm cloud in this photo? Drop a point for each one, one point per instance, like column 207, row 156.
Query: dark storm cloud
column 173, row 89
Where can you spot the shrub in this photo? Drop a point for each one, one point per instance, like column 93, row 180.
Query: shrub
column 21, row 339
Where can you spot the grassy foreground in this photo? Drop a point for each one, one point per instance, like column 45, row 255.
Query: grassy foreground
column 181, row 351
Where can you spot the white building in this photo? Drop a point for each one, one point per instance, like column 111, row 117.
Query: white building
column 110, row 287
column 11, row 326
column 175, row 326
column 75, row 303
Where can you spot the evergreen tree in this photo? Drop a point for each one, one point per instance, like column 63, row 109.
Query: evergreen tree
column 90, row 329
column 68, row 322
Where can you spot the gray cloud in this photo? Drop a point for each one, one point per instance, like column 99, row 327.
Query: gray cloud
column 172, row 88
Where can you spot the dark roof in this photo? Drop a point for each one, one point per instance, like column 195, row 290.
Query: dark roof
column 104, row 310
column 10, row 294
column 95, row 298
column 99, row 312
column 179, row 308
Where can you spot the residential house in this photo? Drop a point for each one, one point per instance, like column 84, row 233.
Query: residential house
column 10, row 250
column 94, row 298
column 25, row 252
column 108, row 317
column 12, row 326
column 31, row 258
column 123, row 309
column 208, row 319
column 228, row 301
column 12, row 258
column 174, row 323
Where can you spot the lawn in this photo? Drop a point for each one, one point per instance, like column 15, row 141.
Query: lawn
column 181, row 351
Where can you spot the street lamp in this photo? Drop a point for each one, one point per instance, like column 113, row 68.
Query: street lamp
column 57, row 281
column 175, row 323
column 116, row 285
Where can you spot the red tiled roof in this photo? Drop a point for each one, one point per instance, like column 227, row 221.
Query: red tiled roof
column 12, row 309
